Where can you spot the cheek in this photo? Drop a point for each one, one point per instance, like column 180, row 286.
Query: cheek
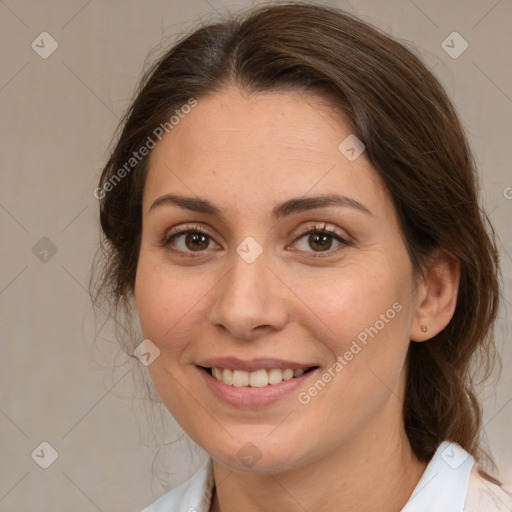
column 365, row 318
column 158, row 303
column 170, row 304
column 168, row 307
column 347, row 305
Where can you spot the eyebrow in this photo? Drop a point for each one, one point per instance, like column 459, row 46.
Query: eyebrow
column 281, row 210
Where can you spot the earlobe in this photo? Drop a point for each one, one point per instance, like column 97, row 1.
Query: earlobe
column 438, row 296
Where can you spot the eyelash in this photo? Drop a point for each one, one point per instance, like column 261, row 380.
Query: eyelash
column 309, row 230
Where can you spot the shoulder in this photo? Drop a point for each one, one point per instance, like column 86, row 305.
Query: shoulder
column 192, row 496
column 487, row 496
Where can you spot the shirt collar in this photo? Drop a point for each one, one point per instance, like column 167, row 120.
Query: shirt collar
column 444, row 484
column 442, row 487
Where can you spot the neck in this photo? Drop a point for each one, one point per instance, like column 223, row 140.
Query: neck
column 378, row 475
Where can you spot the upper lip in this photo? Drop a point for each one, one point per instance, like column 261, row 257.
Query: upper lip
column 250, row 365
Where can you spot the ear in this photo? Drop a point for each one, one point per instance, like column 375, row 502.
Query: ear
column 437, row 295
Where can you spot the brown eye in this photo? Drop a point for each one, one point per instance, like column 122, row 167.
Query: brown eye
column 320, row 241
column 188, row 241
column 197, row 241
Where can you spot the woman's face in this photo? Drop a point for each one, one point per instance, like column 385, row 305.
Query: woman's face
column 243, row 288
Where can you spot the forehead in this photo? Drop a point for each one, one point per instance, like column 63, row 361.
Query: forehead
column 256, row 148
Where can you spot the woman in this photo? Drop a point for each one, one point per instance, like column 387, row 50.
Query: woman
column 292, row 204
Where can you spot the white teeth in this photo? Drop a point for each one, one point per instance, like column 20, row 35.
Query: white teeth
column 240, row 378
column 256, row 379
column 227, row 376
column 288, row 374
column 275, row 376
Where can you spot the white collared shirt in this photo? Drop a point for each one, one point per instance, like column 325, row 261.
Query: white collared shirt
column 450, row 483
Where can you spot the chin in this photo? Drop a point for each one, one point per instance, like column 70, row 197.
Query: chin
column 259, row 455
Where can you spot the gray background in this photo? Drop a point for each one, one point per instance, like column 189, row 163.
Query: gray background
column 58, row 115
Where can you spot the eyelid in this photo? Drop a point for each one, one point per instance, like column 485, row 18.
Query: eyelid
column 183, row 229
column 321, row 227
column 309, row 228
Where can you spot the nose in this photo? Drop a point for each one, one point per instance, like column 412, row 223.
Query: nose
column 250, row 300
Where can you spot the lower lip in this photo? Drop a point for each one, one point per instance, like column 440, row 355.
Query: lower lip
column 251, row 396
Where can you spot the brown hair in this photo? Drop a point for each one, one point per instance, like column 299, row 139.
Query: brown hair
column 414, row 141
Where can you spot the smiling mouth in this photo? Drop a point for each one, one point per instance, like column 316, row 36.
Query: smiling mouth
column 256, row 379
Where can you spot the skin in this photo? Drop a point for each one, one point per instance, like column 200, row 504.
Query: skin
column 346, row 450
